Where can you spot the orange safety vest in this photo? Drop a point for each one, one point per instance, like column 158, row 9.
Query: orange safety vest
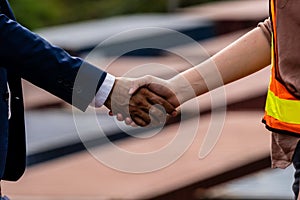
column 282, row 110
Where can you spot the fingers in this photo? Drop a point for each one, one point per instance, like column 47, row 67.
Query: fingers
column 155, row 116
column 153, row 99
column 139, row 121
column 139, row 110
column 129, row 122
column 165, row 92
column 120, row 117
column 146, row 107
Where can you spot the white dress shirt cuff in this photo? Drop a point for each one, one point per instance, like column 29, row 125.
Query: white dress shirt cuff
column 104, row 91
column 9, row 102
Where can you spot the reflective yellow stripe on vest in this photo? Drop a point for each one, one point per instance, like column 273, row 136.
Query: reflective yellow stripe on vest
column 282, row 109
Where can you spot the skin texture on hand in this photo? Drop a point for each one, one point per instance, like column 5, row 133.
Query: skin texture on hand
column 161, row 87
column 156, row 91
column 142, row 106
column 146, row 107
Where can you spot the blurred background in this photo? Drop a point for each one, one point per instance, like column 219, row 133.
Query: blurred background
column 60, row 167
column 36, row 14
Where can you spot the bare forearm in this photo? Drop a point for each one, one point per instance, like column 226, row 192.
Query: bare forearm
column 247, row 55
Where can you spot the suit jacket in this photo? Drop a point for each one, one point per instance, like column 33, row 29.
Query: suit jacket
column 24, row 54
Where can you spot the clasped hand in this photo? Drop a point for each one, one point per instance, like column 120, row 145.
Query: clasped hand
column 142, row 101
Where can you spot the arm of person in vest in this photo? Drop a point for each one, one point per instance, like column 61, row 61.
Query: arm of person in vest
column 69, row 78
column 247, row 55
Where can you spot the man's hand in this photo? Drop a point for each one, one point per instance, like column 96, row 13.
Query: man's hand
column 128, row 99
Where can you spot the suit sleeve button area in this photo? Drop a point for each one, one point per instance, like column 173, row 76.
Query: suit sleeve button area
column 60, row 80
column 66, row 83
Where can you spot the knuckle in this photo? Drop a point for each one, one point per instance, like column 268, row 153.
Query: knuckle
column 148, row 77
column 143, row 91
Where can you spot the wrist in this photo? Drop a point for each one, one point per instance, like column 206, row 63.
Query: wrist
column 108, row 100
column 182, row 88
column 104, row 91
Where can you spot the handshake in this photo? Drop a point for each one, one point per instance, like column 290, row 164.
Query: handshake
column 143, row 101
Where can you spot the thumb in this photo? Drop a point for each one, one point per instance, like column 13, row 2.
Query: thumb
column 139, row 82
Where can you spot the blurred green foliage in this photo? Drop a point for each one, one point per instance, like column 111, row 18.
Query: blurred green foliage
column 39, row 13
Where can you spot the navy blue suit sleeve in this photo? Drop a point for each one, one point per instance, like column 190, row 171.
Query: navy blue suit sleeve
column 47, row 66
